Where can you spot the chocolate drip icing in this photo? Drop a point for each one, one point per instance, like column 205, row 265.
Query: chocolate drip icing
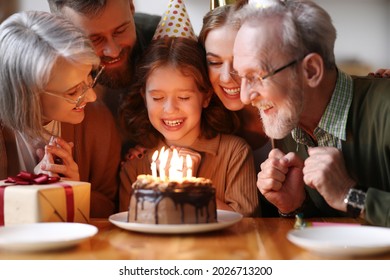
column 198, row 196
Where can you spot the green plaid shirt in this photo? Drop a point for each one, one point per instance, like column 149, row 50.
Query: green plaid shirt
column 331, row 129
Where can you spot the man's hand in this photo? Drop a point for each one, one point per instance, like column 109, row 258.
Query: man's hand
column 281, row 180
column 325, row 171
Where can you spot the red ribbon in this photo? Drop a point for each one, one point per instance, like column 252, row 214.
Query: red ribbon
column 26, row 178
column 69, row 202
column 2, row 189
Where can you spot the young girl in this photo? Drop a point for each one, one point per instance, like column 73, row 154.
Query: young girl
column 46, row 80
column 181, row 111
column 217, row 37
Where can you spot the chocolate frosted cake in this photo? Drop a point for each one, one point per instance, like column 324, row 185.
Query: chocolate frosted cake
column 154, row 201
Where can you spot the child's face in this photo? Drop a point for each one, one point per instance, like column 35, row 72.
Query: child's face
column 174, row 105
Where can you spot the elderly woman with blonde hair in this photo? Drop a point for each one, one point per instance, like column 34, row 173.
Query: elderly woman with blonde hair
column 48, row 69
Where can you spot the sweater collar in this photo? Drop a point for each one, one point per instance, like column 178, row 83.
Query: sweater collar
column 202, row 145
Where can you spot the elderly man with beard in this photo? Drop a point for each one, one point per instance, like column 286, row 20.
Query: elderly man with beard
column 333, row 156
column 119, row 36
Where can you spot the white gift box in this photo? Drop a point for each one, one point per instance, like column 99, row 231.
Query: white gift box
column 62, row 201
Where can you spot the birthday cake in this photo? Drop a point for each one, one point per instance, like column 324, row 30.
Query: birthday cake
column 157, row 201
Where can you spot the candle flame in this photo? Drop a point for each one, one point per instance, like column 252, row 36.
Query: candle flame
column 163, row 157
column 188, row 161
column 155, row 155
column 189, row 166
column 169, row 158
column 175, row 157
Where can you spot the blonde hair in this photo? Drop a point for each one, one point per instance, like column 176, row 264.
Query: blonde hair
column 30, row 45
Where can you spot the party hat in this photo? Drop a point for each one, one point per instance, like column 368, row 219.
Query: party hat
column 175, row 22
column 261, row 3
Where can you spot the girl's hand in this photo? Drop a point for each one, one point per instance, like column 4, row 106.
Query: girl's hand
column 135, row 152
column 195, row 157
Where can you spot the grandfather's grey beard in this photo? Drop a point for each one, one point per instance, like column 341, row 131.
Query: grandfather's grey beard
column 280, row 125
column 279, row 128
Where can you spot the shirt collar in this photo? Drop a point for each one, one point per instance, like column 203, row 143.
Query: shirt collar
column 334, row 119
column 332, row 126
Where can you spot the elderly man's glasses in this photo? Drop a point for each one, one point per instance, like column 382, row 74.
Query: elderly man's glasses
column 255, row 78
column 81, row 90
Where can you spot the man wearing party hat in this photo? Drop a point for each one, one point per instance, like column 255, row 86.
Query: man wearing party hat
column 119, row 36
column 182, row 111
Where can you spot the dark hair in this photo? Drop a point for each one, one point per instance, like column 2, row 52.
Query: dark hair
column 85, row 7
column 214, row 19
column 189, row 57
column 218, row 17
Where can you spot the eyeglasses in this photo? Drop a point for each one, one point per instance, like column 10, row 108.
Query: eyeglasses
column 252, row 80
column 81, row 89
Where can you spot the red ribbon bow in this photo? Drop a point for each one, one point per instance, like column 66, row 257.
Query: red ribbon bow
column 27, row 178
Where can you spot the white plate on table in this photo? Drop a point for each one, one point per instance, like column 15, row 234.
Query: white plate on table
column 44, row 236
column 344, row 240
column 225, row 219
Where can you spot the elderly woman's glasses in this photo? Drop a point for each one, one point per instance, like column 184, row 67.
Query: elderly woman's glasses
column 81, row 89
column 252, row 80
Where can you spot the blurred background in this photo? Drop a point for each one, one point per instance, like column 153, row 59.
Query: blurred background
column 363, row 40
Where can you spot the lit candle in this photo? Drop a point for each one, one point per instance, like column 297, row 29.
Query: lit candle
column 180, row 168
column 154, row 166
column 174, row 166
column 163, row 161
column 189, row 166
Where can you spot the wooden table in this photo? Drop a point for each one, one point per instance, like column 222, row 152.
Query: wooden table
column 251, row 238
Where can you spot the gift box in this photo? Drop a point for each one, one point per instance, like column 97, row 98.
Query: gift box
column 61, row 201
